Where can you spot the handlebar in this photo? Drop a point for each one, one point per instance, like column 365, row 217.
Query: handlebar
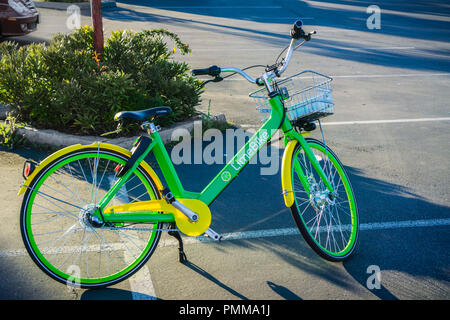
column 215, row 71
column 277, row 69
column 212, row 71
column 297, row 31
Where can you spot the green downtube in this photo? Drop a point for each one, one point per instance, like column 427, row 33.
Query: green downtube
column 328, row 222
column 56, row 229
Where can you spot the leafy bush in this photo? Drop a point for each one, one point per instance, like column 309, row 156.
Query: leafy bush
column 66, row 87
column 9, row 137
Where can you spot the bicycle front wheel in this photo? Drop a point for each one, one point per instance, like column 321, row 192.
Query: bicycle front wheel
column 328, row 221
column 59, row 234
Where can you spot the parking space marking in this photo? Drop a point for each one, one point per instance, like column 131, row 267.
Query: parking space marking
column 217, row 7
column 294, row 231
column 338, row 123
column 423, row 75
column 141, row 284
column 274, row 233
column 393, row 75
column 216, row 48
column 276, row 18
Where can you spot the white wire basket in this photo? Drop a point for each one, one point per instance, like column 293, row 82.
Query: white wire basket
column 306, row 97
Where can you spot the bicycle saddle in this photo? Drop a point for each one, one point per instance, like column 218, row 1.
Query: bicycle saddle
column 142, row 115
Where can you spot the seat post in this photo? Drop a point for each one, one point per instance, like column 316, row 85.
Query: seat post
column 150, row 127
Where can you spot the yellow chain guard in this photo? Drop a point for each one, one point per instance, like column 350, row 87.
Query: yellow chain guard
column 183, row 223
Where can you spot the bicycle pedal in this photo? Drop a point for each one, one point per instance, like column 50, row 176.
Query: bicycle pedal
column 213, row 235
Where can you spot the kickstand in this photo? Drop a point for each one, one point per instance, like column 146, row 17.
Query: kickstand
column 176, row 235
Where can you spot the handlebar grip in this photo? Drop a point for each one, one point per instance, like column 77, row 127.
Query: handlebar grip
column 212, row 71
column 297, row 31
column 297, row 24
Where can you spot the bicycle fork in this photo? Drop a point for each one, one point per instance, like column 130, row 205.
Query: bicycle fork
column 293, row 138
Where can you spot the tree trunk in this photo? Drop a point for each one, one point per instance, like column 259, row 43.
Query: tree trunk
column 96, row 13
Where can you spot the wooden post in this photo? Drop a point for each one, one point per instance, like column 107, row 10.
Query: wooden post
column 96, row 14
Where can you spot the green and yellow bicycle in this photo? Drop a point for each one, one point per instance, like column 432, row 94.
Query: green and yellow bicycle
column 92, row 215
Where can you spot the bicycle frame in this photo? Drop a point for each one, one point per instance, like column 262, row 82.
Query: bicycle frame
column 277, row 120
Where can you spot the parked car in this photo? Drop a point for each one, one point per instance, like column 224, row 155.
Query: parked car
column 17, row 17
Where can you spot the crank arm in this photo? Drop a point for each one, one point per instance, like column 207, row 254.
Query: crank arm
column 161, row 211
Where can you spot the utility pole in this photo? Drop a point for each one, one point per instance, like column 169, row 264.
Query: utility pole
column 96, row 14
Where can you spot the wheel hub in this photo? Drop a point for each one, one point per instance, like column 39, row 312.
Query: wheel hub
column 320, row 198
column 87, row 218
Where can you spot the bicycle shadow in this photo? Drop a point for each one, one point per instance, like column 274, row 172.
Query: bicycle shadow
column 106, row 294
column 413, row 260
column 119, row 294
column 283, row 292
column 114, row 294
column 213, row 279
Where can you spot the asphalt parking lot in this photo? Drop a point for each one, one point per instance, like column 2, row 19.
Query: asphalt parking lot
column 390, row 129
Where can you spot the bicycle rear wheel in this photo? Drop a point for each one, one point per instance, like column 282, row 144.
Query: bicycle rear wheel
column 328, row 222
column 59, row 233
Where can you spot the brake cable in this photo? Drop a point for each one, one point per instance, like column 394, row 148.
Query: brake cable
column 254, row 66
column 281, row 53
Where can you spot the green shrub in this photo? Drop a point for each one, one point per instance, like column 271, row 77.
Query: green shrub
column 66, row 87
column 9, row 137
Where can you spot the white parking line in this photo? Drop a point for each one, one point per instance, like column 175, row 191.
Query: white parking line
column 141, row 283
column 384, row 121
column 392, row 75
column 278, row 49
column 294, row 231
column 419, row 75
column 339, row 123
column 217, row 7
column 383, row 48
column 276, row 18
column 423, row 223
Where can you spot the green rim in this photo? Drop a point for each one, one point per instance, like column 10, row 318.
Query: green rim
column 31, row 240
column 351, row 200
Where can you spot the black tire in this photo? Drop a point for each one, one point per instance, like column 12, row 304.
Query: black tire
column 303, row 220
column 41, row 255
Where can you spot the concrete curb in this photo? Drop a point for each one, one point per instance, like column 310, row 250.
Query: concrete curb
column 64, row 6
column 58, row 139
column 4, row 110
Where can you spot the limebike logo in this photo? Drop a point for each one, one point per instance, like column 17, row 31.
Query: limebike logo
column 226, row 176
column 254, row 146
column 213, row 146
